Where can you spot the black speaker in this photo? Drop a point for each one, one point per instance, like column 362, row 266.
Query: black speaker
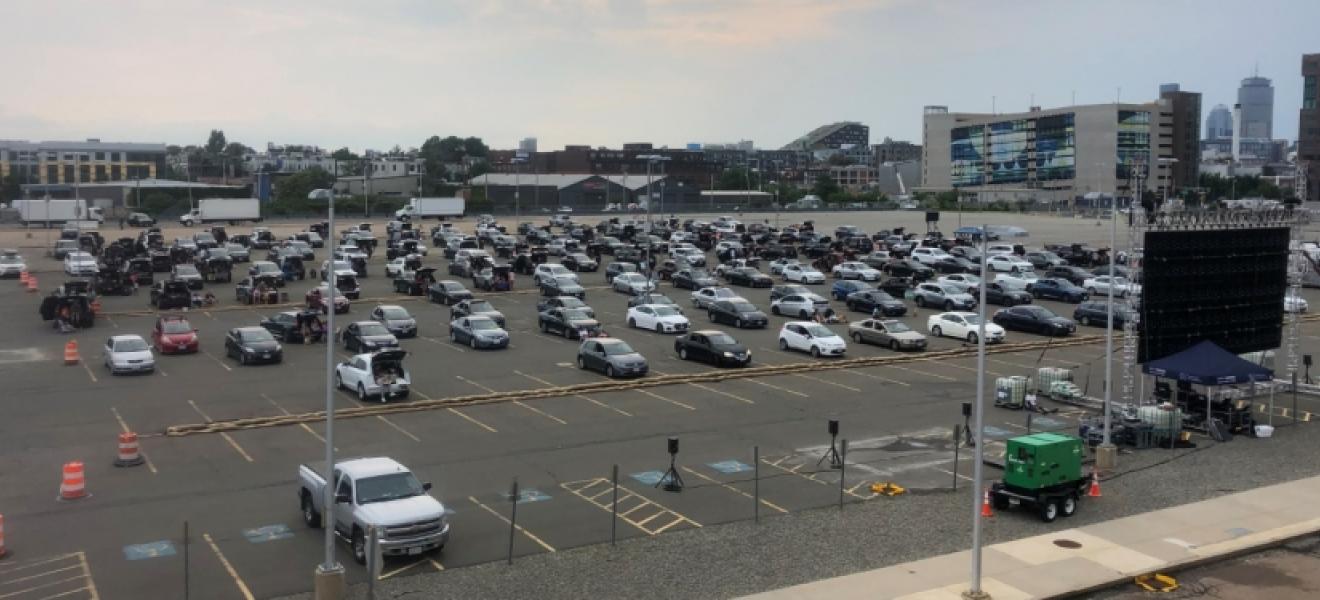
column 967, row 409
column 1306, row 359
column 673, row 445
column 834, row 424
column 932, row 216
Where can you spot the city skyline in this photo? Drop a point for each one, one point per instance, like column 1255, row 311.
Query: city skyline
column 602, row 72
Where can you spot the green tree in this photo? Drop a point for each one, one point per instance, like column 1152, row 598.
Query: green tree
column 825, row 187
column 473, row 147
column 344, row 154
column 735, row 178
column 216, row 143
column 292, row 191
column 10, row 189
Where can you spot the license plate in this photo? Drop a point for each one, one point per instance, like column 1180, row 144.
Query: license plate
column 414, row 551
column 265, row 355
column 183, row 348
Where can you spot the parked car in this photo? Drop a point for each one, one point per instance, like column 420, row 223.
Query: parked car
column 1017, row 280
column 658, row 317
column 613, row 357
column 777, row 265
column 748, row 277
column 398, row 268
column 653, row 298
column 1097, row 314
column 396, row 319
column 284, row 326
column 252, row 345
column 693, row 279
column 632, row 284
column 548, row 271
column 890, row 333
column 842, row 289
column 379, row 375
column 867, row 301
column 173, row 334
column 802, row 306
column 712, row 346
column 787, row 289
column 1100, row 285
column 580, row 263
column 265, row 268
column 855, row 270
column 1034, row 319
column 1044, row 259
column 170, row 294
column 368, row 336
column 1008, row 263
column 956, row 264
column 80, row 264
column 929, row 256
column 618, row 267
column 1057, row 289
column 316, row 299
column 811, row 337
column 128, row 354
column 568, row 322
column 1076, row 275
column 908, row 268
column 545, row 304
column 447, row 292
column 803, row 274
column 138, row 219
column 703, row 297
column 943, row 295
column 963, row 281
column 997, row 293
column 562, row 286
column 737, row 312
column 478, row 332
column 963, row 326
column 1295, row 304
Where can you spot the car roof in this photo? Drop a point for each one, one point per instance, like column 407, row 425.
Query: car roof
column 126, row 337
column 249, row 329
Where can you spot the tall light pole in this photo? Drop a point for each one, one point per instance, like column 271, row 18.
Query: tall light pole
column 329, row 574
column 1168, row 175
column 650, row 196
column 1106, row 456
column 517, row 188
column 978, row 475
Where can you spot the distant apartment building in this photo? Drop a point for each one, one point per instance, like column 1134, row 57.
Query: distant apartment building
column 834, row 136
column 891, row 151
column 1052, row 154
column 91, row 161
column 527, row 145
column 286, row 160
column 854, row 178
column 1308, row 132
column 1185, row 143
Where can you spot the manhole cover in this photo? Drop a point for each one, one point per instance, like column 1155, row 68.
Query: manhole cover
column 1069, row 544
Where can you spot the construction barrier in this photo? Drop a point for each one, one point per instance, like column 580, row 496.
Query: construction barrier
column 74, row 485
column 1094, row 492
column 3, row 551
column 129, row 454
column 32, row 283
column 23, row 277
column 985, row 506
column 71, row 352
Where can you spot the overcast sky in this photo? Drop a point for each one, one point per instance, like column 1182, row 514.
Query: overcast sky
column 605, row 72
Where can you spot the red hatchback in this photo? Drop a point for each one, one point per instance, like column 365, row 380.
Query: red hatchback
column 174, row 335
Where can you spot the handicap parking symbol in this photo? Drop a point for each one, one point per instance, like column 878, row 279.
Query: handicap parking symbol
column 530, row 495
column 729, row 467
column 995, row 432
column 268, row 533
column 158, row 549
column 1047, row 422
column 648, row 477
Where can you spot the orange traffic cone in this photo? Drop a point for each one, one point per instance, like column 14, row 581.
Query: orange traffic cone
column 32, row 283
column 129, row 456
column 74, row 485
column 3, row 552
column 71, row 352
column 1094, row 492
column 23, row 277
column 96, row 306
column 985, row 506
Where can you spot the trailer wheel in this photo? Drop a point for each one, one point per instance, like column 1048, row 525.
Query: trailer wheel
column 1049, row 510
column 999, row 501
column 1068, row 506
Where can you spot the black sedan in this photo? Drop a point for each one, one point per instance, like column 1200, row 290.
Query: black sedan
column 562, row 286
column 448, row 292
column 579, row 262
column 955, row 264
column 368, row 336
column 1075, row 275
column 284, row 326
column 998, row 294
column 1096, row 313
column 748, row 277
column 170, row 294
column 1057, row 289
column 693, row 279
column 868, row 301
column 1034, row 319
column 715, row 347
column 909, row 268
column 252, row 345
column 545, row 304
column 739, row 313
column 572, row 323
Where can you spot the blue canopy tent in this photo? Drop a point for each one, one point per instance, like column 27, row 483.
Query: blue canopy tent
column 1208, row 364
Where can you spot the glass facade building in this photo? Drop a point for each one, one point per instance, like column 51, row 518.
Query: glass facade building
column 1133, row 141
column 1002, row 152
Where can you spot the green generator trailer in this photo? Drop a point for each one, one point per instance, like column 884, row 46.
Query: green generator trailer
column 1043, row 472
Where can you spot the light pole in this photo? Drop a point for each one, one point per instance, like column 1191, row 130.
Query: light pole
column 1168, row 175
column 1106, row 455
column 650, row 196
column 517, row 187
column 978, row 475
column 329, row 576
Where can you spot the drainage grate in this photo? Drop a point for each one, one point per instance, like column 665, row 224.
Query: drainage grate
column 1069, row 544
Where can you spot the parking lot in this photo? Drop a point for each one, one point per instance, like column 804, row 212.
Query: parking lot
column 236, row 490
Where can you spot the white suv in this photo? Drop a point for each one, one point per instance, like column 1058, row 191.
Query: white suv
column 928, row 256
column 806, row 336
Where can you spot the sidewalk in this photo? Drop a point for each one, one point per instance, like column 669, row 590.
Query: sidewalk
column 1095, row 556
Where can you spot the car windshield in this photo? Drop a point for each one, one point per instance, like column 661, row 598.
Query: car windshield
column 722, row 339
column 10, row 260
column 257, row 335
column 395, row 314
column 972, row 319
column 131, row 345
column 744, row 307
column 372, row 329
column 658, row 299
column 664, row 311
column 896, row 327
column 383, row 488
column 218, row 253
column 618, row 348
column 267, row 267
column 176, row 327
column 1038, row 312
column 234, row 248
column 185, row 270
column 819, row 331
column 483, row 324
column 576, row 314
column 565, row 281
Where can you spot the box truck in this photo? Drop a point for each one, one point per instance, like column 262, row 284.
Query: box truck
column 57, row 211
column 230, row 210
column 425, row 208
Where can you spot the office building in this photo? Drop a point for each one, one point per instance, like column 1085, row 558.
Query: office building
column 891, row 151
column 1256, row 95
column 1308, row 132
column 79, row 162
column 834, row 136
column 1219, row 125
column 1050, row 155
column 527, row 145
column 1186, row 141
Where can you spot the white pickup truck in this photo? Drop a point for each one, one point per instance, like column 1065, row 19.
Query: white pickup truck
column 380, row 492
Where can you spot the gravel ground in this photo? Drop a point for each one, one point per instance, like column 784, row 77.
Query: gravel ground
column 742, row 558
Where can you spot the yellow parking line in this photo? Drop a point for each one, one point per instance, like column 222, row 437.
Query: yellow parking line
column 223, row 434
column 734, row 489
column 518, row 402
column 474, row 421
column 817, row 379
column 588, row 399
column 775, row 387
column 658, row 396
column 43, row 585
column 877, row 377
column 303, row 425
column 677, row 519
column 242, row 587
column 43, row 574
column 520, row 528
column 123, row 425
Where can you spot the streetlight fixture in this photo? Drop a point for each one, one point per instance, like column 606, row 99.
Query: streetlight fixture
column 329, row 574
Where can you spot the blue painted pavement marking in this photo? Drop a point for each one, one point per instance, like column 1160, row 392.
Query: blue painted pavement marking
column 648, row 477
column 730, row 466
column 149, row 550
column 530, row 495
column 1046, row 422
column 996, row 432
column 268, row 533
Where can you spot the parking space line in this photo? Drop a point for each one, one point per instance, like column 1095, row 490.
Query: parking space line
column 42, row 574
column 734, row 489
column 877, row 377
column 305, row 427
column 588, row 399
column 819, row 380
column 775, row 387
column 1012, row 364
column 520, row 528
column 812, row 477
column 43, row 585
column 217, row 361
column 577, row 488
column 88, row 369
column 722, row 393
column 223, row 434
column 926, row 373
column 123, row 425
column 381, row 418
column 162, row 372
column 242, row 587
column 958, row 366
column 446, row 344
column 948, row 472
column 473, row 420
column 518, row 402
column 671, row 401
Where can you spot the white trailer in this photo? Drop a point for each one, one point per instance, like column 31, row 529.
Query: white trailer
column 425, row 208
column 227, row 210
column 57, row 211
